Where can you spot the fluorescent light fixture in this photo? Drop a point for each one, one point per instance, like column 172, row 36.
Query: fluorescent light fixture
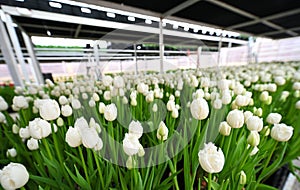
column 203, row 31
column 186, row 28
column 138, row 47
column 148, row 21
column 48, row 33
column 20, row 0
column 111, row 15
column 131, row 18
column 48, row 41
column 196, row 30
column 14, row 25
column 23, row 11
column 211, row 32
column 85, row 10
column 164, row 24
column 175, row 26
column 55, row 5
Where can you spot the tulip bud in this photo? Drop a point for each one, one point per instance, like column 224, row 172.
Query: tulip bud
column 60, row 122
column 224, row 128
column 243, row 178
column 254, row 138
column 162, row 131
column 264, row 96
column 130, row 163
column 12, row 152
column 32, row 144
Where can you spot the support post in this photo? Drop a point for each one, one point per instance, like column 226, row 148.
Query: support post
column 219, row 50
column 17, row 46
column 9, row 57
column 199, row 50
column 97, row 60
column 161, row 46
column 135, row 59
column 33, row 60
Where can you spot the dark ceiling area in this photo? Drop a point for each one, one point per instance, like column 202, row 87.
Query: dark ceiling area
column 272, row 19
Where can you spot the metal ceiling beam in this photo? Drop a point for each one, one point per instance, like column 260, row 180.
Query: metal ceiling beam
column 179, row 7
column 77, row 31
column 249, row 15
column 271, row 17
column 110, row 24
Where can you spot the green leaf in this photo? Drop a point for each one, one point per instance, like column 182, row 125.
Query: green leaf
column 44, row 180
column 265, row 187
column 214, row 184
column 274, row 166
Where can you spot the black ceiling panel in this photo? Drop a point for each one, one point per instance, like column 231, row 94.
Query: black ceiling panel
column 204, row 11
column 160, row 6
column 263, row 8
column 279, row 36
column 289, row 21
column 256, row 29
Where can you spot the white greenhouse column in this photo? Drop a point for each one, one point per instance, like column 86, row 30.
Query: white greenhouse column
column 9, row 57
column 135, row 59
column 199, row 50
column 161, row 46
column 17, row 46
column 97, row 59
column 33, row 60
column 229, row 47
column 219, row 50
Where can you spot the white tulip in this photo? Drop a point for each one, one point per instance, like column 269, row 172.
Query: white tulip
column 254, row 123
column 73, row 137
column 162, row 131
column 107, row 95
column 211, row 158
column 224, row 128
column 217, row 104
column 223, row 84
column 264, row 96
column 254, row 151
column 24, row 133
column 131, row 144
column 279, row 80
column 96, row 97
column 75, row 104
column 107, row 80
column 282, row 132
column 14, row 176
column 272, row 87
column 32, row 144
column 15, row 128
column 99, row 145
column 254, row 138
column 241, row 100
column 3, row 104
column 247, row 114
column 135, row 128
column 101, row 107
column 141, row 151
column 12, row 152
column 63, row 100
column 175, row 113
column 142, row 88
column 199, row 109
column 20, row 102
column 226, row 98
column 235, row 118
column 243, row 178
column 89, row 137
column 110, row 112
column 60, row 122
column 49, row 109
column 130, row 163
column 39, row 128
column 119, row 82
column 297, row 105
column 274, row 118
column 66, row 110
column 2, row 118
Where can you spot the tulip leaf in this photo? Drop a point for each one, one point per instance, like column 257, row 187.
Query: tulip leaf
column 74, row 158
column 47, row 181
column 274, row 166
column 265, row 187
column 214, row 185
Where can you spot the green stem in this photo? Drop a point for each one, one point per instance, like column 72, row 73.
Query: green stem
column 84, row 165
column 270, row 155
column 209, row 181
column 99, row 169
column 44, row 141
